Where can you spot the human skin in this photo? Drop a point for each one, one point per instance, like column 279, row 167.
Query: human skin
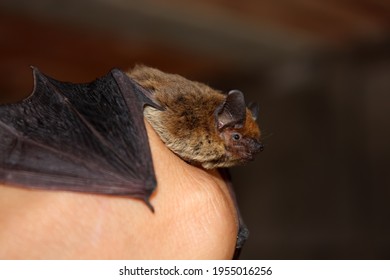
column 195, row 218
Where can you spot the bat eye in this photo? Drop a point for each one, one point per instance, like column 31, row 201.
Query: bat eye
column 236, row 136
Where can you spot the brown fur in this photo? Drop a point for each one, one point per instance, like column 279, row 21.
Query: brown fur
column 187, row 125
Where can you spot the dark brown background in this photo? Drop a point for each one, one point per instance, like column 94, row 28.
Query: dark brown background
column 320, row 70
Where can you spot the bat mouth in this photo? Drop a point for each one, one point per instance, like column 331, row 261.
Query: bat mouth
column 247, row 152
column 244, row 157
column 249, row 157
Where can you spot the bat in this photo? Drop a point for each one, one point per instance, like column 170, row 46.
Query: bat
column 199, row 124
column 91, row 137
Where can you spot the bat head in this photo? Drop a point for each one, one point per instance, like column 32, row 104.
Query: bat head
column 236, row 124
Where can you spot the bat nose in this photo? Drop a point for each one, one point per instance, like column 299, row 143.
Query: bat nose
column 260, row 146
column 257, row 146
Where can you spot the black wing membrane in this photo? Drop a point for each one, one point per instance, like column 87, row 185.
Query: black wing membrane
column 79, row 137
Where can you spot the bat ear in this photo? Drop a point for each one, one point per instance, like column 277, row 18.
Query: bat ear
column 232, row 112
column 254, row 108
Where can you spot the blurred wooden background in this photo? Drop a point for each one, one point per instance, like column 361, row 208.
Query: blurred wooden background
column 320, row 70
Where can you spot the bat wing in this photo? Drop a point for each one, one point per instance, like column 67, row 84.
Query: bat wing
column 79, row 137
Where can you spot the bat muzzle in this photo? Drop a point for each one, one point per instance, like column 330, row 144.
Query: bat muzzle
column 256, row 146
column 253, row 147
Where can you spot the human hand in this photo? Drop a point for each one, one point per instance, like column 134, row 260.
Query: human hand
column 195, row 218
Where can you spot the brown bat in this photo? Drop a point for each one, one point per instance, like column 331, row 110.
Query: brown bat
column 92, row 138
column 199, row 124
